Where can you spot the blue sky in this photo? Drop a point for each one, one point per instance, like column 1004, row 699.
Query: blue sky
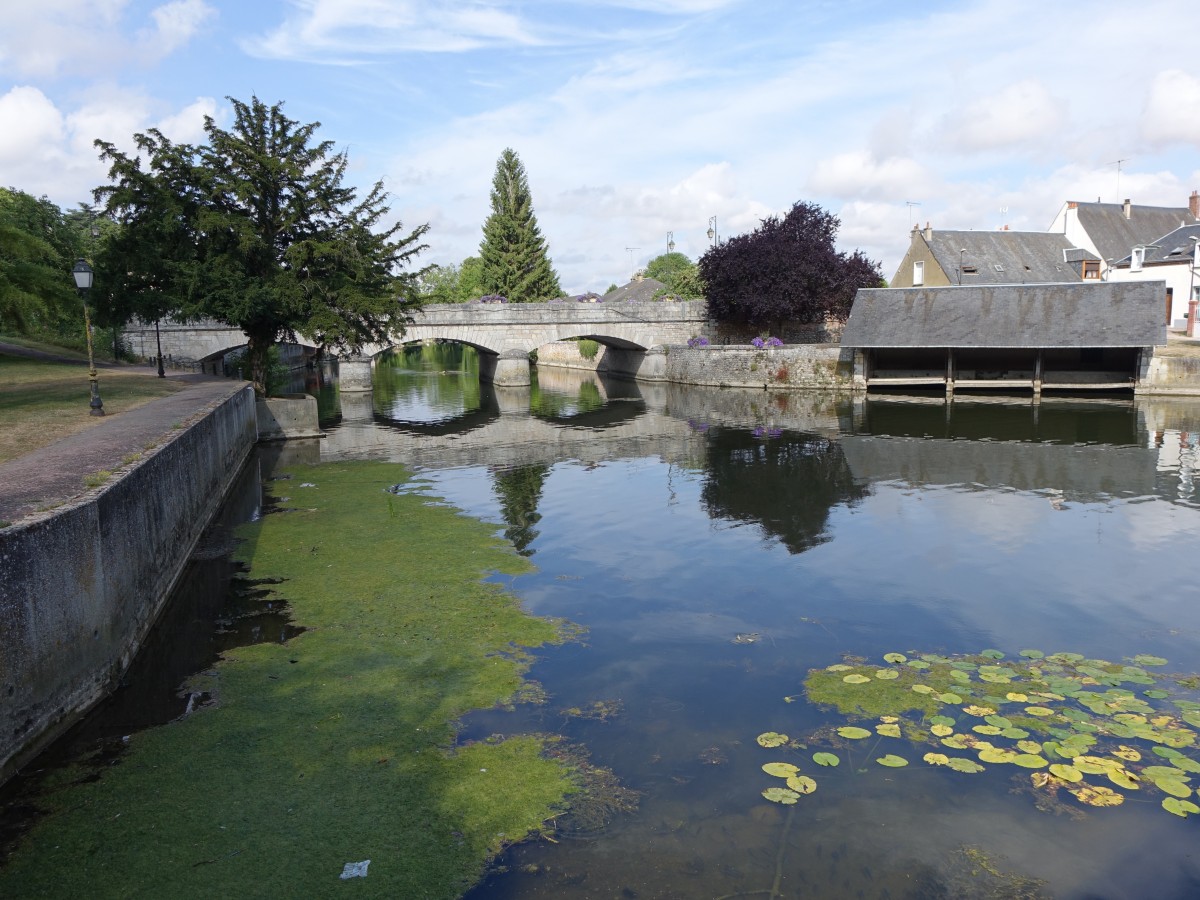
column 636, row 118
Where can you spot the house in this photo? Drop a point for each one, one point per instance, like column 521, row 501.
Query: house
column 1173, row 259
column 944, row 258
column 1110, row 231
column 1089, row 335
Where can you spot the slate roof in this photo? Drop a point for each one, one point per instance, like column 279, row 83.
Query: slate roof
column 1170, row 248
column 1003, row 257
column 1115, row 236
column 1106, row 314
column 635, row 290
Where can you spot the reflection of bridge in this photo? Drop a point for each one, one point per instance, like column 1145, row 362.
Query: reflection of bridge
column 635, row 333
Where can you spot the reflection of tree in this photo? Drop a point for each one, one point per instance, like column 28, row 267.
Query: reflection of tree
column 441, row 376
column 786, row 484
column 519, row 488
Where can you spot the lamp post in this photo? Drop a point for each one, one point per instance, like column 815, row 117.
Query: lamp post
column 158, row 341
column 712, row 230
column 960, row 263
column 83, row 283
column 670, row 242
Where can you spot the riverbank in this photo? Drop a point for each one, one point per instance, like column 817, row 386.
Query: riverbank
column 338, row 746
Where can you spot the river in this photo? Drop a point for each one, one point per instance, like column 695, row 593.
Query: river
column 718, row 546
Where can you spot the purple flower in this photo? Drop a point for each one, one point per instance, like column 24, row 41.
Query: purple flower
column 774, row 342
column 493, row 298
column 697, row 342
column 758, row 342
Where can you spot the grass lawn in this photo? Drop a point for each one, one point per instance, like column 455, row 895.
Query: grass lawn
column 42, row 402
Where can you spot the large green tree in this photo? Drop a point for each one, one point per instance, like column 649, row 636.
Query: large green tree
column 38, row 246
column 258, row 229
column 513, row 253
column 678, row 273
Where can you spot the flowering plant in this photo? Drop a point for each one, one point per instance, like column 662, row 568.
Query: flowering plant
column 697, row 342
column 493, row 298
column 589, row 297
column 766, row 340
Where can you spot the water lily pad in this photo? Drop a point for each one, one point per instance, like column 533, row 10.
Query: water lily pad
column 940, row 730
column 941, row 720
column 1030, row 761
column 1179, row 807
column 892, row 761
column 1127, row 753
column 853, row 732
column 1122, row 778
column 895, row 657
column 992, row 654
column 771, row 739
column 1156, row 694
column 1014, row 733
column 1040, row 711
column 780, row 769
column 888, row 730
column 955, row 742
column 1016, row 698
column 826, row 759
column 802, row 784
column 1172, row 787
column 1186, row 763
column 855, row 678
column 889, row 719
column 922, row 689
column 1096, row 796
column 886, row 674
column 996, row 755
column 1167, row 752
column 998, row 721
column 965, row 765
column 1032, row 654
column 918, row 664
column 781, row 795
column 1066, row 773
column 980, row 711
column 936, row 759
column 952, row 699
column 838, row 667
column 1143, row 659
column 1029, row 746
column 960, row 676
column 995, row 678
column 986, row 729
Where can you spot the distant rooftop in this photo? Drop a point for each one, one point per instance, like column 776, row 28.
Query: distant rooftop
column 1116, row 234
column 1003, row 257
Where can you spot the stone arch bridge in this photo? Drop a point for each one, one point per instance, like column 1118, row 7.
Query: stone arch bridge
column 636, row 335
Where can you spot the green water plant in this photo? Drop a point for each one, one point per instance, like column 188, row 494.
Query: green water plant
column 1090, row 729
column 339, row 745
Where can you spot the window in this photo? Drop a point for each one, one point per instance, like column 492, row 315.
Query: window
column 1091, row 269
column 998, row 267
column 970, row 270
column 918, row 273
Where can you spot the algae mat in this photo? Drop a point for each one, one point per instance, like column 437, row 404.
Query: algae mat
column 336, row 747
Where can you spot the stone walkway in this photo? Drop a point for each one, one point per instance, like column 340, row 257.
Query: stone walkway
column 53, row 475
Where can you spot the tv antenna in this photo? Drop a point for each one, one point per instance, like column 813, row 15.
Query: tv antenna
column 1117, row 163
column 910, row 204
column 630, row 250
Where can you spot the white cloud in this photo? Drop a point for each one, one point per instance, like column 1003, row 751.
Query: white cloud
column 1021, row 114
column 187, row 125
column 1173, row 109
column 175, row 24
column 342, row 31
column 859, row 175
column 29, row 122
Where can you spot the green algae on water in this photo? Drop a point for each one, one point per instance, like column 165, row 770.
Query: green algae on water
column 338, row 746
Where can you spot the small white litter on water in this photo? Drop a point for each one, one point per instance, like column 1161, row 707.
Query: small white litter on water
column 355, row 870
column 307, row 484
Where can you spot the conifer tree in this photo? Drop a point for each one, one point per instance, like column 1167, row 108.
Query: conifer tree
column 513, row 252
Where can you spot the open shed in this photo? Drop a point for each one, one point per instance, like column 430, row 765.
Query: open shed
column 1039, row 337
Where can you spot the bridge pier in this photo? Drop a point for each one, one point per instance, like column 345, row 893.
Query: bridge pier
column 354, row 374
column 509, row 368
column 642, row 365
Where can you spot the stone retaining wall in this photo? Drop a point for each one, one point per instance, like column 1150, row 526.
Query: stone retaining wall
column 802, row 367
column 80, row 586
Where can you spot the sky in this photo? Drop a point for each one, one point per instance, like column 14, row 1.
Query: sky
column 639, row 119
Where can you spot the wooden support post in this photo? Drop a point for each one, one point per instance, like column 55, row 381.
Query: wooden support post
column 950, row 372
column 1037, row 375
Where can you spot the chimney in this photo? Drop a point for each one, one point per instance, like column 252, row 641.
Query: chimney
column 1127, row 208
column 1194, row 204
column 928, row 232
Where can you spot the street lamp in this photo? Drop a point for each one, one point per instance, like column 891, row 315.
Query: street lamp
column 670, row 242
column 960, row 263
column 712, row 230
column 83, row 282
column 158, row 341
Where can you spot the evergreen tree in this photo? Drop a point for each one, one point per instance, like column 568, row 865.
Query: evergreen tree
column 38, row 246
column 258, row 229
column 513, row 252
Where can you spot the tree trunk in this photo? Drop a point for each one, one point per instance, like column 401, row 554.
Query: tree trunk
column 258, row 354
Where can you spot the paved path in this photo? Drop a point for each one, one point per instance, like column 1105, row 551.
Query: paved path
column 54, row 475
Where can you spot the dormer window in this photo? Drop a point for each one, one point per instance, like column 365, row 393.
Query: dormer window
column 970, row 270
column 918, row 273
column 1091, row 269
column 1137, row 259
